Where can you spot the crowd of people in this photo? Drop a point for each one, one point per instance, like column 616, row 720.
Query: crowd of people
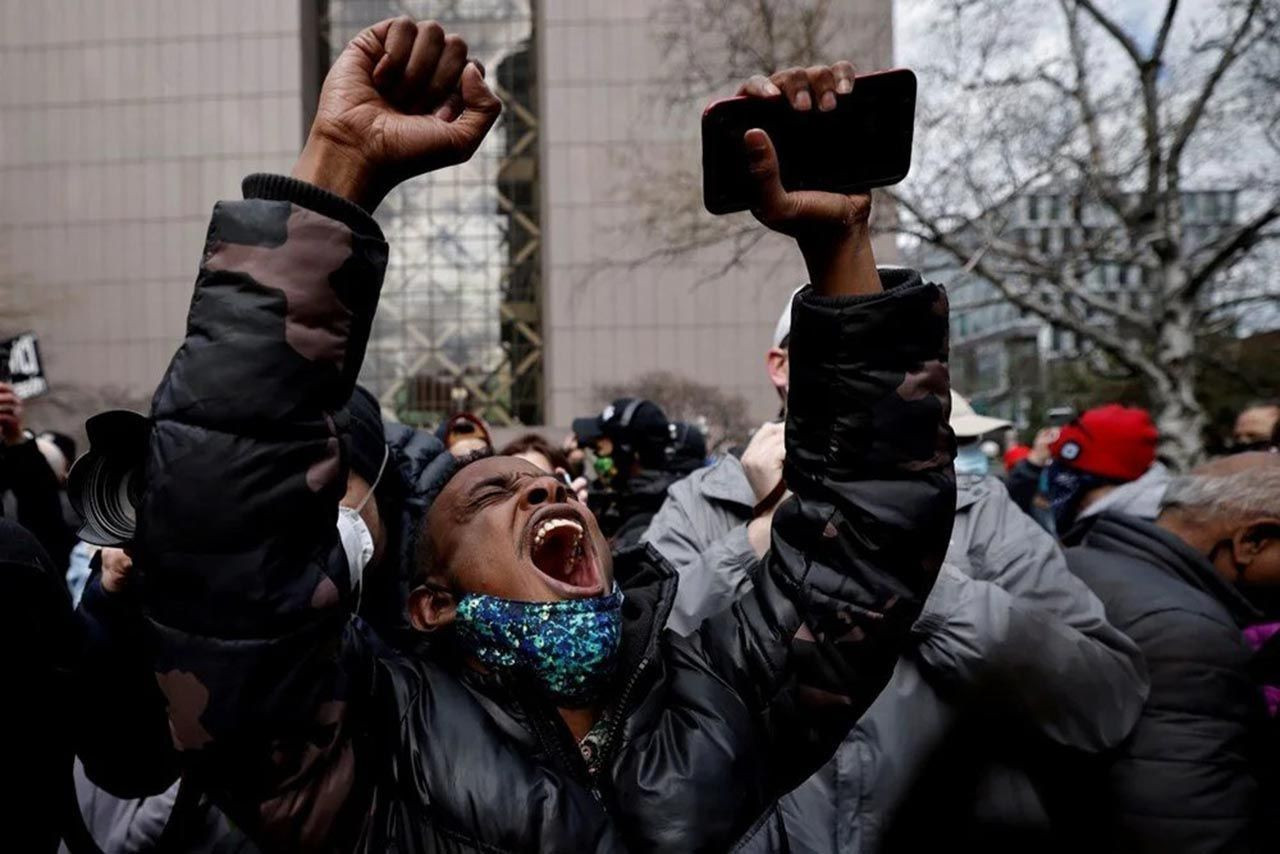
column 856, row 632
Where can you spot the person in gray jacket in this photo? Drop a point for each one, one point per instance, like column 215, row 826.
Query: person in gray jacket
column 1008, row 636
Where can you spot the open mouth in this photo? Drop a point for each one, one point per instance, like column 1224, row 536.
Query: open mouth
column 560, row 549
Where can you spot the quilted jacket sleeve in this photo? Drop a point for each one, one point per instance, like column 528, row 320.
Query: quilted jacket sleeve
column 244, row 582
column 1022, row 627
column 856, row 550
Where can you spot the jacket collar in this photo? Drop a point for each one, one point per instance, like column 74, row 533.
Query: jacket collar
column 726, row 481
column 648, row 584
column 970, row 489
column 1148, row 542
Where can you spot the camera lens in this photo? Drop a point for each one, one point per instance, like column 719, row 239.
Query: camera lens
column 105, row 485
column 109, row 500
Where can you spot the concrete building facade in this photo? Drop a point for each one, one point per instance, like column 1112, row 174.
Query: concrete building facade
column 120, row 124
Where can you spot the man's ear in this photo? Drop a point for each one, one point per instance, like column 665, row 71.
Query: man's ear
column 776, row 362
column 431, row 608
column 1249, row 541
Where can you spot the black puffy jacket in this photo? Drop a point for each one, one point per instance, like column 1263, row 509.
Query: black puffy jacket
column 1186, row 778
column 315, row 734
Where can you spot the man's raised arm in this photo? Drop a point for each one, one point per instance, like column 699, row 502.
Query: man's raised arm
column 242, row 575
column 856, row 550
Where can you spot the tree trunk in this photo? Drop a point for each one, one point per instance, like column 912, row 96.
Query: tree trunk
column 1178, row 414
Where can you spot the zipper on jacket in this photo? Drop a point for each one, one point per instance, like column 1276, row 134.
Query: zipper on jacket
column 609, row 744
column 554, row 735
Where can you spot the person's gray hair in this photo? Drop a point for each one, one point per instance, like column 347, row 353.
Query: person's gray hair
column 1249, row 494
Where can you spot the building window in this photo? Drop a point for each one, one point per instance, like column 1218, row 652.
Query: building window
column 460, row 319
column 1210, row 205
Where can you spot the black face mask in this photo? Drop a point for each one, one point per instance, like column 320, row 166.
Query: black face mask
column 1264, row 597
column 1066, row 488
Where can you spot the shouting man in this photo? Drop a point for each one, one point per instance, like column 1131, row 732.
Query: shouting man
column 546, row 707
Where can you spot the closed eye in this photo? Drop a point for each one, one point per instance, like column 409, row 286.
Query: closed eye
column 491, row 490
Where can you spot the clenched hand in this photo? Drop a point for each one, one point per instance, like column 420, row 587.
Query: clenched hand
column 401, row 100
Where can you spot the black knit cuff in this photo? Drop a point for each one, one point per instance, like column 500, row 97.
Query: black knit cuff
column 891, row 279
column 283, row 188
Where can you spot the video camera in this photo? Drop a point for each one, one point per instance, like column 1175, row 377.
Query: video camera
column 105, row 485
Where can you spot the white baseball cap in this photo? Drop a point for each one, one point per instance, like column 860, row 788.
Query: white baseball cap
column 968, row 424
column 783, row 329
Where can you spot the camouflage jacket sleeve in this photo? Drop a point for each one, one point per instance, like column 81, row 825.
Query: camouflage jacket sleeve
column 856, row 550
column 243, row 578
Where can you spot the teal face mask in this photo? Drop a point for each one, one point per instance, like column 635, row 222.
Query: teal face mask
column 570, row 648
column 971, row 460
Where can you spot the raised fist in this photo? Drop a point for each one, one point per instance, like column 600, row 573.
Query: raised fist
column 401, row 100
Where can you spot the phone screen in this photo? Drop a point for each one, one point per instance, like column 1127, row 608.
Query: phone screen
column 864, row 142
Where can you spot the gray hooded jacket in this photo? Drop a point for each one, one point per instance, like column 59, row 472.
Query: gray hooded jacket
column 1005, row 613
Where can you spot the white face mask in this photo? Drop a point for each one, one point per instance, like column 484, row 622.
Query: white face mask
column 357, row 539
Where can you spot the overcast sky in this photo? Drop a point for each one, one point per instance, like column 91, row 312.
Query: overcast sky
column 913, row 17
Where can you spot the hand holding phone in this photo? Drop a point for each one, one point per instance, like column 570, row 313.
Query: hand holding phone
column 833, row 132
column 831, row 227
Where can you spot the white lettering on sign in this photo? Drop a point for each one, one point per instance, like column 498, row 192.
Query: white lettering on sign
column 25, row 372
column 23, row 359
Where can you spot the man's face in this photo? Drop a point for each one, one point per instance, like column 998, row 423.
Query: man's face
column 1255, row 425
column 505, row 528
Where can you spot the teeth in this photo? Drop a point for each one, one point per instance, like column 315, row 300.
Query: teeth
column 552, row 524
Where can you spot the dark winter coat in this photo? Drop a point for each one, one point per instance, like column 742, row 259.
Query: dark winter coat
column 1185, row 780
column 31, row 496
column 315, row 734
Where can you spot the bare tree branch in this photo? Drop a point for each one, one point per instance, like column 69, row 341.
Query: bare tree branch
column 1098, row 174
column 1115, row 31
column 1243, row 239
column 1148, row 70
column 1240, row 302
column 1058, row 314
column 1230, row 54
column 1162, row 38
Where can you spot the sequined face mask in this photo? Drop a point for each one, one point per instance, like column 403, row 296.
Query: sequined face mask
column 570, row 647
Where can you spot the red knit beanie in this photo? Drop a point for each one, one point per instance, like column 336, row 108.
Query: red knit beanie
column 1111, row 441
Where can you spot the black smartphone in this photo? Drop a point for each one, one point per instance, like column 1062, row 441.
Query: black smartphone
column 864, row 142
